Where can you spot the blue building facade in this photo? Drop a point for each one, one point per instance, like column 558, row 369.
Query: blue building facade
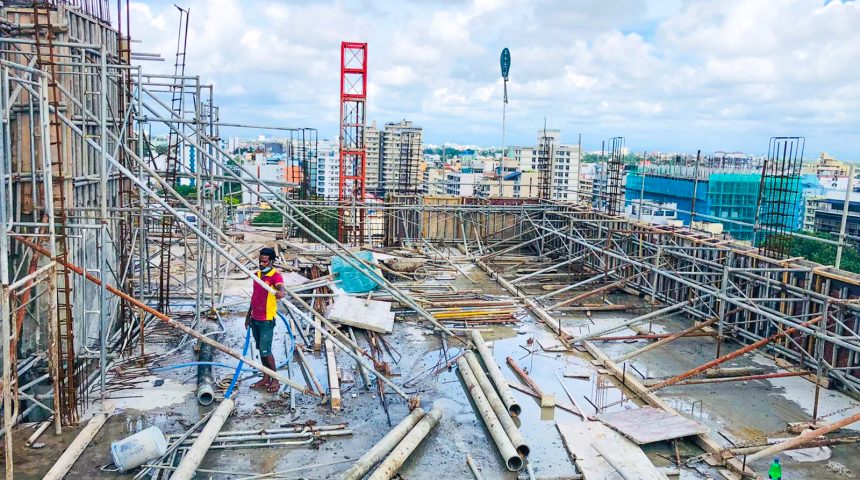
column 722, row 196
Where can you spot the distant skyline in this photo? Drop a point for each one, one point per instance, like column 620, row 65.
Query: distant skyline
column 667, row 75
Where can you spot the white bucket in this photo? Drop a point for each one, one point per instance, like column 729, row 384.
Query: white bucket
column 138, row 449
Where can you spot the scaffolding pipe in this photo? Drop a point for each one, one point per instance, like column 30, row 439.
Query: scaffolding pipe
column 583, row 296
column 509, row 453
column 744, row 378
column 803, row 437
column 342, row 251
column 495, row 374
column 709, row 290
column 241, row 266
column 730, row 356
column 664, row 341
column 410, row 442
column 384, row 446
column 547, row 269
column 192, row 458
column 498, row 407
column 169, row 321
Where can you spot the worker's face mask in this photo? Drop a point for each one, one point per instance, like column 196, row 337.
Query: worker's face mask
column 265, row 269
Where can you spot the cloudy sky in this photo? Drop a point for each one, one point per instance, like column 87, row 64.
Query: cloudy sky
column 667, row 75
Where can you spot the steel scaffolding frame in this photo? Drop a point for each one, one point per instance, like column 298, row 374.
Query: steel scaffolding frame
column 74, row 108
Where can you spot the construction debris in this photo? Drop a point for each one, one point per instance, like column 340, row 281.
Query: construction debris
column 388, row 468
column 648, row 425
column 130, row 261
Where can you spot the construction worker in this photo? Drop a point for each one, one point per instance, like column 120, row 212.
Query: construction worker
column 775, row 472
column 262, row 313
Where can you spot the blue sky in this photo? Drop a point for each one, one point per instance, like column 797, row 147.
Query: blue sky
column 667, row 75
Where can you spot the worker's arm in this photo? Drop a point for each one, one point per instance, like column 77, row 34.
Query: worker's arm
column 248, row 318
column 282, row 292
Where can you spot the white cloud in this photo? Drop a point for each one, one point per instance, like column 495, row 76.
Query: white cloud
column 717, row 74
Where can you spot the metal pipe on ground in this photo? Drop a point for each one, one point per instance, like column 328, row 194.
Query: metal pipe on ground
column 746, row 378
column 495, row 373
column 664, row 341
column 812, row 443
column 498, row 407
column 76, row 448
column 473, row 467
column 633, row 321
column 730, row 356
column 205, row 381
column 546, row 400
column 192, row 458
column 513, row 462
column 803, row 437
column 406, row 446
column 596, row 291
column 384, row 446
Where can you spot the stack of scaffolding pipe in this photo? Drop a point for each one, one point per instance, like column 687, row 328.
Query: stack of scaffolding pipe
column 384, row 446
column 410, row 442
column 513, row 462
column 495, row 374
column 498, row 407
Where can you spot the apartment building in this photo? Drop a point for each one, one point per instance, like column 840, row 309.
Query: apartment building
column 557, row 165
column 401, row 155
column 372, row 158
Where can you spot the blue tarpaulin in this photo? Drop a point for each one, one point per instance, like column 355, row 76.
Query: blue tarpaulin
column 350, row 279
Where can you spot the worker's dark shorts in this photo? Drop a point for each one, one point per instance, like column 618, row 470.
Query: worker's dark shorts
column 263, row 331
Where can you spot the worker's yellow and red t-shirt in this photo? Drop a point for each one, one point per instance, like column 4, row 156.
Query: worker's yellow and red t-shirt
column 264, row 305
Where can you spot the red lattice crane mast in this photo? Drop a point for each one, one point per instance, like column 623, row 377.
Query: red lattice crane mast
column 353, row 100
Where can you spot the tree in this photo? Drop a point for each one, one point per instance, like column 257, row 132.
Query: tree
column 268, row 217
column 825, row 253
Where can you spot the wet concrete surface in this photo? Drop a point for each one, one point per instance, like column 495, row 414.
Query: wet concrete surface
column 740, row 411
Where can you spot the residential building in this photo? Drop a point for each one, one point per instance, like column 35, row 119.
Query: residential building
column 513, row 185
column 435, row 181
column 275, row 174
column 810, row 206
column 654, row 213
column 462, row 184
column 829, row 211
column 327, row 171
column 586, row 183
column 273, row 147
column 401, row 153
column 232, row 144
column 556, row 163
column 372, row 158
column 827, row 166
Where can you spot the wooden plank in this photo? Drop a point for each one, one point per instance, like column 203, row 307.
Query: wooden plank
column 372, row 315
column 648, row 425
column 599, row 452
column 333, row 381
